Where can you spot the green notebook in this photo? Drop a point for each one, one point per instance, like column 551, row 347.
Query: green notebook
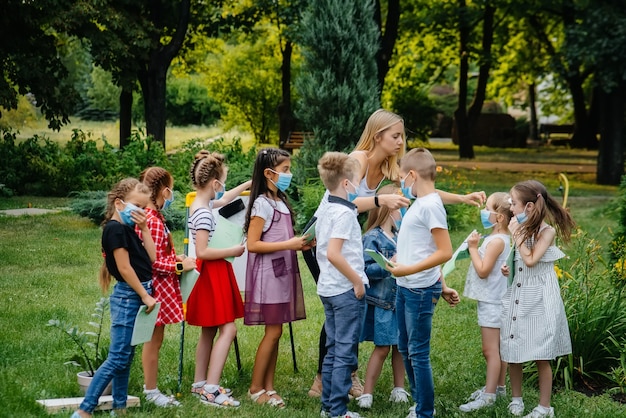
column 380, row 259
column 144, row 324
column 310, row 232
column 187, row 281
column 511, row 263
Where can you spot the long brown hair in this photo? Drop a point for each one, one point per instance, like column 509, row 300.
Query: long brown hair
column 378, row 216
column 119, row 191
column 546, row 207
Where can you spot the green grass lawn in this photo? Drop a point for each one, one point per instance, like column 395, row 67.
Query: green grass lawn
column 48, row 268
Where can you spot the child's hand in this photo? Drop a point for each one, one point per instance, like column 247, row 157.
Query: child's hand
column 189, row 263
column 398, row 270
column 139, row 217
column 513, row 225
column 505, row 270
column 359, row 290
column 450, row 295
column 476, row 198
column 149, row 301
column 238, row 250
column 473, row 238
column 296, row 243
column 310, row 245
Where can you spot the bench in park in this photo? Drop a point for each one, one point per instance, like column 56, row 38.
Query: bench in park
column 555, row 134
column 296, row 140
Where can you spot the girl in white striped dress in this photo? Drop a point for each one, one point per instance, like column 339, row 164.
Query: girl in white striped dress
column 534, row 325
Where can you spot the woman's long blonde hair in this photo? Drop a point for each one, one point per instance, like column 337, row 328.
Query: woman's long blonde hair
column 379, row 122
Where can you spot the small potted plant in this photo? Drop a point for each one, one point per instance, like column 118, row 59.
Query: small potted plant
column 91, row 352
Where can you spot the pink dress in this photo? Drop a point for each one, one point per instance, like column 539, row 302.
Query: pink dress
column 273, row 292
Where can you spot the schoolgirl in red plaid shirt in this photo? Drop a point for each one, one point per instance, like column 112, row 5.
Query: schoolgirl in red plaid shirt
column 166, row 271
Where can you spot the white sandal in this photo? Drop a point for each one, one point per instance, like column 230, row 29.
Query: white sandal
column 255, row 396
column 277, row 403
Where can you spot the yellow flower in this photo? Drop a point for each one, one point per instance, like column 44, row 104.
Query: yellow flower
column 558, row 271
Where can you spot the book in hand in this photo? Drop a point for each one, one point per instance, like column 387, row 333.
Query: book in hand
column 144, row 324
column 187, row 281
column 380, row 259
column 310, row 232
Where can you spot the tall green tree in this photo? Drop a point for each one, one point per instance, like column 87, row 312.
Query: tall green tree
column 30, row 62
column 338, row 84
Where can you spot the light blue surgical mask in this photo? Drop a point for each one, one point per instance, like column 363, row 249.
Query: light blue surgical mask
column 484, row 218
column 522, row 217
column 406, row 191
column 284, row 180
column 402, row 212
column 126, row 213
column 218, row 195
column 168, row 202
column 351, row 196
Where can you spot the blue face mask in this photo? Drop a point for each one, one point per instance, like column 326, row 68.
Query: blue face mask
column 169, row 201
column 351, row 196
column 218, row 195
column 522, row 217
column 402, row 212
column 406, row 191
column 396, row 223
column 126, row 213
column 484, row 218
column 284, row 180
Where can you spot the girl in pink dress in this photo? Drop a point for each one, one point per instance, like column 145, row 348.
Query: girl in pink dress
column 273, row 294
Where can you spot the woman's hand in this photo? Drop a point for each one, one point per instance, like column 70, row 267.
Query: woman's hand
column 475, row 198
column 393, row 201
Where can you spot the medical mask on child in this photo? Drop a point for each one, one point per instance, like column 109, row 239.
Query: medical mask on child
column 406, row 191
column 351, row 196
column 522, row 217
column 284, row 180
column 126, row 213
column 218, row 195
column 169, row 201
column 484, row 218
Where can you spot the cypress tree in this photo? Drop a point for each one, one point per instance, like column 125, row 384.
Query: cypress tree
column 338, row 85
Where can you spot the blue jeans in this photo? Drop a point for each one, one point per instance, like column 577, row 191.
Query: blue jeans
column 125, row 304
column 414, row 309
column 344, row 318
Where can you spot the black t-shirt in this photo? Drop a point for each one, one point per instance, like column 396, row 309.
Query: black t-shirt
column 116, row 235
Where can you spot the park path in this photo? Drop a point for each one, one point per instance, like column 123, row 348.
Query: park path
column 520, row 167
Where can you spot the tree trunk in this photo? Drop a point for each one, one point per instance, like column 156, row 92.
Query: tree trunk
column 532, row 103
column 153, row 77
column 126, row 113
column 610, row 166
column 466, row 149
column 388, row 37
column 285, row 113
column 581, row 122
column 476, row 107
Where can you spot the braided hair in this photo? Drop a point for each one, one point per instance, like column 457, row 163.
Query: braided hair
column 157, row 179
column 206, row 166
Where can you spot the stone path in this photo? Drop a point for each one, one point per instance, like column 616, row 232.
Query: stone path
column 27, row 211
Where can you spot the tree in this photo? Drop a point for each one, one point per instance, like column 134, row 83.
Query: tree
column 30, row 63
column 338, row 84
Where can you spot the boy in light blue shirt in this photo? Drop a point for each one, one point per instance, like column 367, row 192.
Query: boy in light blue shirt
column 423, row 245
column 342, row 279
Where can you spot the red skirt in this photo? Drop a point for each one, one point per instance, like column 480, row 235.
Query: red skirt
column 215, row 299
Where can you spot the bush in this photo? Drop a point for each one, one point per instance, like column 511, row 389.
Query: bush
column 188, row 103
column 596, row 312
column 617, row 247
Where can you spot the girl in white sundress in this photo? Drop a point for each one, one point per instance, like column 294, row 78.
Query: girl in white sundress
column 486, row 284
column 534, row 325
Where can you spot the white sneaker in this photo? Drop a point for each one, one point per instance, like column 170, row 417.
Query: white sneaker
column 365, row 400
column 412, row 413
column 516, row 408
column 483, row 401
column 500, row 392
column 349, row 414
column 324, row 414
column 540, row 412
column 398, row 394
column 156, row 397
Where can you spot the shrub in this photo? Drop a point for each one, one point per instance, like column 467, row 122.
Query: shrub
column 188, row 103
column 596, row 313
column 617, row 247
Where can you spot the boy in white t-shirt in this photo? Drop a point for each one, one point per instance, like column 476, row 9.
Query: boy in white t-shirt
column 342, row 279
column 423, row 245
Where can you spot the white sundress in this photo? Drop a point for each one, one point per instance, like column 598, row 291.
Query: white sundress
column 534, row 324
